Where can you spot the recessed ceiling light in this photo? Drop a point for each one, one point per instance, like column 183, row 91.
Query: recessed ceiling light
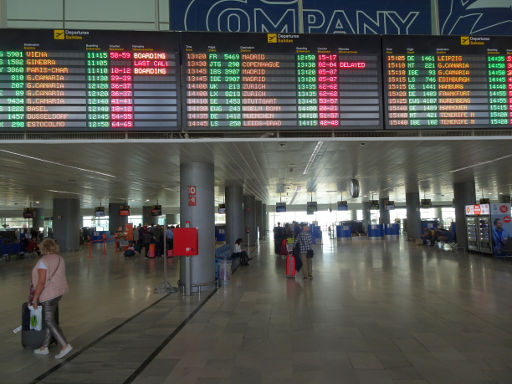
column 37, row 202
column 147, row 200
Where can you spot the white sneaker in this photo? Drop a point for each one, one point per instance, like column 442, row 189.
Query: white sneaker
column 40, row 351
column 64, row 352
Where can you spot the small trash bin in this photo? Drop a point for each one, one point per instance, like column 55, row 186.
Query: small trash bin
column 224, row 272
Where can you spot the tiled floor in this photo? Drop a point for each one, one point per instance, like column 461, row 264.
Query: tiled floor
column 376, row 313
column 105, row 290
column 387, row 312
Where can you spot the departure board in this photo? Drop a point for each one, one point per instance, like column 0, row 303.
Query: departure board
column 78, row 80
column 447, row 82
column 244, row 82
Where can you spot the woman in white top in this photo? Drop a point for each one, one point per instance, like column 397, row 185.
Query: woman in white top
column 238, row 251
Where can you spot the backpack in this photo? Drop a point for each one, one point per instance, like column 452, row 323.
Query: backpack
column 244, row 258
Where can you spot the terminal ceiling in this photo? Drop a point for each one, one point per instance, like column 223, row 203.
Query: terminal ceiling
column 141, row 173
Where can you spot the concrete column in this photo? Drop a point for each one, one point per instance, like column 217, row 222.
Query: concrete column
column 250, row 218
column 366, row 215
column 147, row 217
column 234, row 213
column 353, row 215
column 438, row 213
column 38, row 220
column 412, row 201
column 264, row 219
column 463, row 194
column 66, row 224
column 115, row 220
column 384, row 213
column 504, row 198
column 201, row 216
column 172, row 218
column 259, row 218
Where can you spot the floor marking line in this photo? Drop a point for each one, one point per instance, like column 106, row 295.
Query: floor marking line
column 93, row 343
column 167, row 340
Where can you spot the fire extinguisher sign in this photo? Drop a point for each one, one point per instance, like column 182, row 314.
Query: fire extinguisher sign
column 192, row 196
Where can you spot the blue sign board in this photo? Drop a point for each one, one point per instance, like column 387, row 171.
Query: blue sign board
column 475, row 17
column 319, row 16
column 392, row 17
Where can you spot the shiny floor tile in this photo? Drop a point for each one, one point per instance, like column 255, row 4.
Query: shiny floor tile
column 388, row 312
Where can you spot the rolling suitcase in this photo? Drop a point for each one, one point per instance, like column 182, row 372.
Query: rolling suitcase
column 29, row 337
column 290, row 266
column 152, row 250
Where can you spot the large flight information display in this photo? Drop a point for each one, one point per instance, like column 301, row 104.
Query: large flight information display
column 107, row 81
column 447, row 82
column 243, row 82
column 62, row 80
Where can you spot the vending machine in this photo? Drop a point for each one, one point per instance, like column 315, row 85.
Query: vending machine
column 471, row 222
column 489, row 228
column 478, row 218
column 484, row 234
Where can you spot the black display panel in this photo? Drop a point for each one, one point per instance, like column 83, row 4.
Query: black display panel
column 243, row 82
column 79, row 80
column 443, row 82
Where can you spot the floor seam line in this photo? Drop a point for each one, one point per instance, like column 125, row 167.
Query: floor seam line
column 167, row 340
column 93, row 343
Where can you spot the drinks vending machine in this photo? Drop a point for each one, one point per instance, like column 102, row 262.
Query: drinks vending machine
column 488, row 228
column 478, row 218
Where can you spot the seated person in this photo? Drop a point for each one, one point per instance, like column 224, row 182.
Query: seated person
column 32, row 246
column 131, row 250
column 427, row 237
column 238, row 251
column 441, row 234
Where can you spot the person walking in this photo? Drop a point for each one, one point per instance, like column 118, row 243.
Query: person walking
column 159, row 238
column 169, row 235
column 147, row 239
column 306, row 251
column 136, row 238
column 50, row 284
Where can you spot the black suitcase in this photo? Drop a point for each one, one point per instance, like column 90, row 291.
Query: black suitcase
column 31, row 338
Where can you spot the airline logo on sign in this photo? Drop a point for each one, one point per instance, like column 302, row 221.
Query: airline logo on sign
column 475, row 17
column 318, row 16
column 478, row 209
